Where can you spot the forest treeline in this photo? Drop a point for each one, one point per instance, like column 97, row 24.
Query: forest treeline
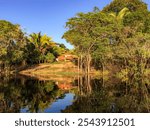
column 118, row 35
column 17, row 49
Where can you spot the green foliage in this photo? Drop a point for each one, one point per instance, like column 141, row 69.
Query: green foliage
column 123, row 74
column 86, row 32
column 32, row 94
column 61, row 45
column 17, row 56
column 12, row 41
column 117, row 5
column 42, row 49
column 58, row 50
column 116, row 35
column 49, row 58
column 137, row 20
column 120, row 16
column 17, row 49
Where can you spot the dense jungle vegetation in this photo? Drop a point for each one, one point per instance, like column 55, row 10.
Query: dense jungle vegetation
column 17, row 49
column 116, row 37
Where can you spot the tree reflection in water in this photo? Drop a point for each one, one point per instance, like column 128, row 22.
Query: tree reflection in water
column 35, row 95
column 91, row 95
column 111, row 96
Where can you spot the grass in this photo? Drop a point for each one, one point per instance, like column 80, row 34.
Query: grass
column 57, row 69
column 60, row 68
column 65, row 73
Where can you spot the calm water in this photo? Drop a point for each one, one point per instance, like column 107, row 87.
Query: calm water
column 25, row 94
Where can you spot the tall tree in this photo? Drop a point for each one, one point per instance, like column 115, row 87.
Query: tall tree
column 119, row 16
column 133, row 5
column 41, row 44
column 12, row 40
column 84, row 32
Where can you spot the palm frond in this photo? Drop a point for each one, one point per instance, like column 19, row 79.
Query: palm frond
column 113, row 15
column 122, row 13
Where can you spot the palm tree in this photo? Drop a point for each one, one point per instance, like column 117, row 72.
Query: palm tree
column 119, row 16
column 41, row 42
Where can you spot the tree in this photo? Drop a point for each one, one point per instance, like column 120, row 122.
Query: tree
column 85, row 31
column 41, row 43
column 119, row 17
column 58, row 50
column 121, row 39
column 117, row 5
column 12, row 40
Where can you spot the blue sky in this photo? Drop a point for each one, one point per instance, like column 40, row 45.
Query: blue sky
column 47, row 16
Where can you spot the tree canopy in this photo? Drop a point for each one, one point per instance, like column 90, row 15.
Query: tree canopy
column 17, row 48
column 117, row 35
column 133, row 5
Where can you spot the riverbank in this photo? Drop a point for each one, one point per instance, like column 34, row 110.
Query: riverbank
column 52, row 71
column 55, row 70
column 62, row 68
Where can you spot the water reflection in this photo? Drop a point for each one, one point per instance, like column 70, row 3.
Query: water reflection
column 61, row 104
column 24, row 94
column 57, row 106
column 83, row 94
column 112, row 96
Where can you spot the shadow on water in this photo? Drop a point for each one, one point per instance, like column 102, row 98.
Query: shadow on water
column 84, row 94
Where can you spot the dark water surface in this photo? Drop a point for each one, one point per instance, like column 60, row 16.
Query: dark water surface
column 21, row 94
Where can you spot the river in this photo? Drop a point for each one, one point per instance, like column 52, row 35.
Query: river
column 22, row 94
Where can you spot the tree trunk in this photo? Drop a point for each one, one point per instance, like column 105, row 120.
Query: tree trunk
column 78, row 65
column 81, row 64
column 89, row 64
